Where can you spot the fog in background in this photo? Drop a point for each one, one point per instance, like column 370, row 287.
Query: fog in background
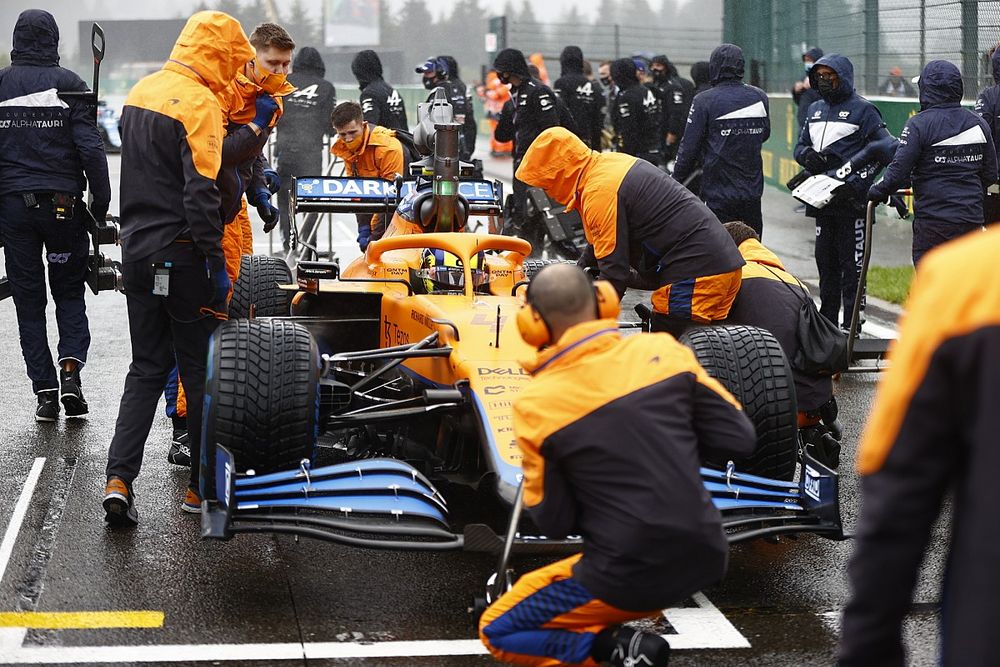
column 415, row 29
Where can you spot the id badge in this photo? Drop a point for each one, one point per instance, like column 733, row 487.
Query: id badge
column 161, row 279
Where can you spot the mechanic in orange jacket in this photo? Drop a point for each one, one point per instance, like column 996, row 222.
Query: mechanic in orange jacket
column 251, row 106
column 771, row 298
column 613, row 457
column 368, row 152
column 932, row 433
column 644, row 229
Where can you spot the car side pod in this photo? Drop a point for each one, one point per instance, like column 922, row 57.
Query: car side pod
column 373, row 503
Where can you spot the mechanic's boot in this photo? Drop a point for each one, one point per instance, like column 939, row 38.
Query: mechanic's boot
column 48, row 406
column 180, row 449
column 192, row 502
column 119, row 503
column 633, row 648
column 820, row 444
column 71, row 394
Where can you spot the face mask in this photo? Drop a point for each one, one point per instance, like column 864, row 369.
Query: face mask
column 809, row 66
column 606, row 80
column 504, row 77
column 355, row 144
column 430, row 84
column 825, row 87
column 659, row 76
column 270, row 83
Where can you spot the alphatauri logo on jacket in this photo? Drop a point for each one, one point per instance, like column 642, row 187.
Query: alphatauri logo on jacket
column 966, row 146
column 750, row 120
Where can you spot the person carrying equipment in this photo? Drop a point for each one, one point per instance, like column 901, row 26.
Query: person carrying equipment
column 651, row 535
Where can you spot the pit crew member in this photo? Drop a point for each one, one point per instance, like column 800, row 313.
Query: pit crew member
column 583, row 97
column 175, row 275
column 50, row 149
column 838, row 126
column 643, row 229
column 652, row 536
column 948, row 156
column 637, row 114
column 988, row 107
column 770, row 298
column 437, row 74
column 932, row 433
column 380, row 102
column 676, row 93
column 368, row 152
column 725, row 130
column 470, row 130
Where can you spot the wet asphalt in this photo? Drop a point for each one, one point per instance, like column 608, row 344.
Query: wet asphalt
column 784, row 598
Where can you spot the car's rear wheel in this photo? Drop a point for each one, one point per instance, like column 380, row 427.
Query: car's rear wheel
column 749, row 362
column 263, row 393
column 257, row 288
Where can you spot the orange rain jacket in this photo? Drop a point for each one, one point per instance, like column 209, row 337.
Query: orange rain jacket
column 615, row 457
column 380, row 156
column 933, row 431
column 166, row 195
column 645, row 230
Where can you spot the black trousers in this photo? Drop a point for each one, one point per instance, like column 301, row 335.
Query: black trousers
column 929, row 234
column 26, row 232
column 159, row 326
column 840, row 244
column 746, row 211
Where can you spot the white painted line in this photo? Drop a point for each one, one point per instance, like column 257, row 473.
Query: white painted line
column 879, row 330
column 703, row 626
column 17, row 517
column 700, row 627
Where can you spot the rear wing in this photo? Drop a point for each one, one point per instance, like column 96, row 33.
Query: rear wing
column 331, row 194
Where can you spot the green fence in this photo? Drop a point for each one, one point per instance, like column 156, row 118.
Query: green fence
column 780, row 165
column 877, row 35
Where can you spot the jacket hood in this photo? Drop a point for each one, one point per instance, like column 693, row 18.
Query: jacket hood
column 571, row 60
column 213, row 46
column 555, row 161
column 814, row 54
column 623, row 73
column 665, row 61
column 754, row 251
column 513, row 62
column 452, row 66
column 940, row 83
column 366, row 67
column 309, row 60
column 699, row 73
column 995, row 61
column 845, row 72
column 36, row 39
column 725, row 64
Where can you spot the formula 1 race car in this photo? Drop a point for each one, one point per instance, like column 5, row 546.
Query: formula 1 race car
column 377, row 413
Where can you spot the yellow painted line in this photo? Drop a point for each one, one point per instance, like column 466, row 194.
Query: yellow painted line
column 79, row 620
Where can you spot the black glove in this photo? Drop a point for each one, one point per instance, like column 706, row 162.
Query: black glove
column 219, row 282
column 815, row 163
column 876, row 195
column 273, row 180
column 99, row 209
column 898, row 203
column 268, row 213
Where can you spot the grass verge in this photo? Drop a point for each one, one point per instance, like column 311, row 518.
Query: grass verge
column 890, row 283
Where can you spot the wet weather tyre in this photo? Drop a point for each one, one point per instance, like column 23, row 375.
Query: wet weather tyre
column 749, row 362
column 263, row 393
column 533, row 266
column 258, row 287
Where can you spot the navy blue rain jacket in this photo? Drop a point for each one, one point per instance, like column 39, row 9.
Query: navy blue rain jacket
column 945, row 152
column 838, row 126
column 725, row 129
column 988, row 104
column 46, row 144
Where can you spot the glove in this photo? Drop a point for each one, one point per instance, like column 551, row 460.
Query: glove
column 364, row 237
column 815, row 163
column 99, row 209
column 268, row 213
column 273, row 180
column 266, row 108
column 898, row 203
column 219, row 283
column 875, row 195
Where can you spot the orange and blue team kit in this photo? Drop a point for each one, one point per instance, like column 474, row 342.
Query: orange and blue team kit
column 617, row 462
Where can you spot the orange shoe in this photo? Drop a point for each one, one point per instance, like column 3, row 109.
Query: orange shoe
column 192, row 502
column 119, row 503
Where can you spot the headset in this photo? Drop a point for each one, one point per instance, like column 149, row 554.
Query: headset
column 535, row 330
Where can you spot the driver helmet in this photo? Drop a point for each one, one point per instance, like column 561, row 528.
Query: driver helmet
column 441, row 272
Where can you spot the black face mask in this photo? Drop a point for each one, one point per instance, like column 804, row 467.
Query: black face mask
column 430, row 84
column 825, row 87
column 659, row 76
column 606, row 80
column 504, row 77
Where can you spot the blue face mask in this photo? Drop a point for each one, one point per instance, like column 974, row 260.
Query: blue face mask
column 809, row 66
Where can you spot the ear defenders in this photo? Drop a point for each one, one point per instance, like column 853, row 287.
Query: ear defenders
column 535, row 330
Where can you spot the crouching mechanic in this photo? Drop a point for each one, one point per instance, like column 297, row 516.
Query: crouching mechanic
column 644, row 229
column 770, row 298
column 368, row 152
column 652, row 536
